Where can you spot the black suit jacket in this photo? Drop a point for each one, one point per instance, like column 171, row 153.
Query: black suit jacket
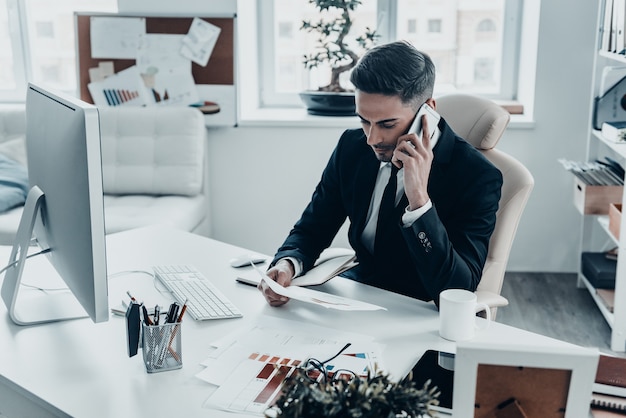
column 445, row 248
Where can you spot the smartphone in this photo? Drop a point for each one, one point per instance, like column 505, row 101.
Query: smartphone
column 432, row 117
column 438, row 366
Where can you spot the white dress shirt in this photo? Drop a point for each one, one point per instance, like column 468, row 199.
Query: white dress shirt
column 369, row 232
column 384, row 172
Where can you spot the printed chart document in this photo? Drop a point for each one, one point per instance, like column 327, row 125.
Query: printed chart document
column 250, row 365
column 320, row 298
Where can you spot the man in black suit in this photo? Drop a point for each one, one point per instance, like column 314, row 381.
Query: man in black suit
column 437, row 235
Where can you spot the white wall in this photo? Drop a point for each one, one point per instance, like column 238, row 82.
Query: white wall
column 550, row 229
column 262, row 177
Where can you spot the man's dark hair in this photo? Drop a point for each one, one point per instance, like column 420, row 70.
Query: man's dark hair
column 396, row 69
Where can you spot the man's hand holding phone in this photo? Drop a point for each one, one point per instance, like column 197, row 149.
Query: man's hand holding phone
column 414, row 153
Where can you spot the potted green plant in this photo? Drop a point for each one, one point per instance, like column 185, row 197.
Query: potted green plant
column 332, row 48
column 373, row 397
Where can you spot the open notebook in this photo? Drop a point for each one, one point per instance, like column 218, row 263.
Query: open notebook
column 332, row 262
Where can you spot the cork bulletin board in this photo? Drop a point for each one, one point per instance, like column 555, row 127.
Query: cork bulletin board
column 214, row 81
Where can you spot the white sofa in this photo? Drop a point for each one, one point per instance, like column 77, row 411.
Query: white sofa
column 153, row 165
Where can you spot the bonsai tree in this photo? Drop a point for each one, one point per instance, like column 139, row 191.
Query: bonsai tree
column 331, row 44
column 373, row 397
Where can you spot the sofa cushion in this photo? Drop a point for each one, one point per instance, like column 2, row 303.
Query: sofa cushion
column 156, row 150
column 15, row 149
column 133, row 211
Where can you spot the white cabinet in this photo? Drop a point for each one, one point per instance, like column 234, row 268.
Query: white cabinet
column 595, row 234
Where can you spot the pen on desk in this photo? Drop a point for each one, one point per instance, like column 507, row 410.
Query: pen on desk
column 172, row 313
column 157, row 313
column 132, row 298
column 146, row 317
column 182, row 311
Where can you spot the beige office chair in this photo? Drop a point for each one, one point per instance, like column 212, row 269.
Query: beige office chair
column 482, row 122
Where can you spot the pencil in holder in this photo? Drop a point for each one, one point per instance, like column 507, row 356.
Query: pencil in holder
column 161, row 346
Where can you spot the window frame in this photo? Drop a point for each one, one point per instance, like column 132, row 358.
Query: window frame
column 21, row 62
column 387, row 16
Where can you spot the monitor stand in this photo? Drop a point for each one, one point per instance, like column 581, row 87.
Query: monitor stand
column 33, row 306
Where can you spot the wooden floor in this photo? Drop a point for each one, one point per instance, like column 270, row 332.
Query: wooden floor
column 550, row 304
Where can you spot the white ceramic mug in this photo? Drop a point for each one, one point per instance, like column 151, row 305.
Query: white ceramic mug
column 457, row 314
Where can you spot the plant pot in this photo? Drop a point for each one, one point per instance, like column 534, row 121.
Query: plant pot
column 324, row 103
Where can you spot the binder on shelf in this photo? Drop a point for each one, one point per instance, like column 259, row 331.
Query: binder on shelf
column 606, row 26
column 619, row 10
column 611, row 106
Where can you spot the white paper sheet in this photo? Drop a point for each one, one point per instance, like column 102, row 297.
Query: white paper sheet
column 320, row 298
column 165, row 72
column 199, row 42
column 115, row 37
column 275, row 337
column 250, row 366
column 124, row 88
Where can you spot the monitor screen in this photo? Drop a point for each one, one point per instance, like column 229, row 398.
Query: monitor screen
column 64, row 211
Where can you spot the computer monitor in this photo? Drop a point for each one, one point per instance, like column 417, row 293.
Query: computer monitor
column 63, row 213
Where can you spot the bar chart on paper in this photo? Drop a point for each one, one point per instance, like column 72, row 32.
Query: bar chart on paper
column 118, row 97
column 250, row 366
column 254, row 384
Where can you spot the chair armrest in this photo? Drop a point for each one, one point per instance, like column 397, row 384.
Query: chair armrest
column 493, row 300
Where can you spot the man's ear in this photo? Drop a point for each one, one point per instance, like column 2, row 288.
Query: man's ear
column 432, row 103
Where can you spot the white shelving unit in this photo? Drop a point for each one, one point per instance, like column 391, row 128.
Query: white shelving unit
column 595, row 233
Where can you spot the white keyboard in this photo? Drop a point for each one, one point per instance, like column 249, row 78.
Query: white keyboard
column 204, row 300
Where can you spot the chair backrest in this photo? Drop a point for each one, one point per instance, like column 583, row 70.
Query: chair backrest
column 482, row 123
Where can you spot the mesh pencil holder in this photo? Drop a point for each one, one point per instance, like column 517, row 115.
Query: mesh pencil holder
column 161, row 346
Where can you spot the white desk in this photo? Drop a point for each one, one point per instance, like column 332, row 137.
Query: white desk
column 81, row 369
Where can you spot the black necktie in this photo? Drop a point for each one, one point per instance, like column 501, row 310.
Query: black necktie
column 386, row 219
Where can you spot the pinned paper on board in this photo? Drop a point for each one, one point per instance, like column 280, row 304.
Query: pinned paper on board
column 125, row 88
column 102, row 71
column 115, row 37
column 165, row 72
column 199, row 42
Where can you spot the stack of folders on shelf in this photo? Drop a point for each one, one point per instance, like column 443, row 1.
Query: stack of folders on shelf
column 609, row 389
column 598, row 173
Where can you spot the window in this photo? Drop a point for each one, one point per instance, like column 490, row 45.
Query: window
column 484, row 69
column 434, row 25
column 465, row 40
column 411, row 26
column 37, row 44
column 486, row 25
